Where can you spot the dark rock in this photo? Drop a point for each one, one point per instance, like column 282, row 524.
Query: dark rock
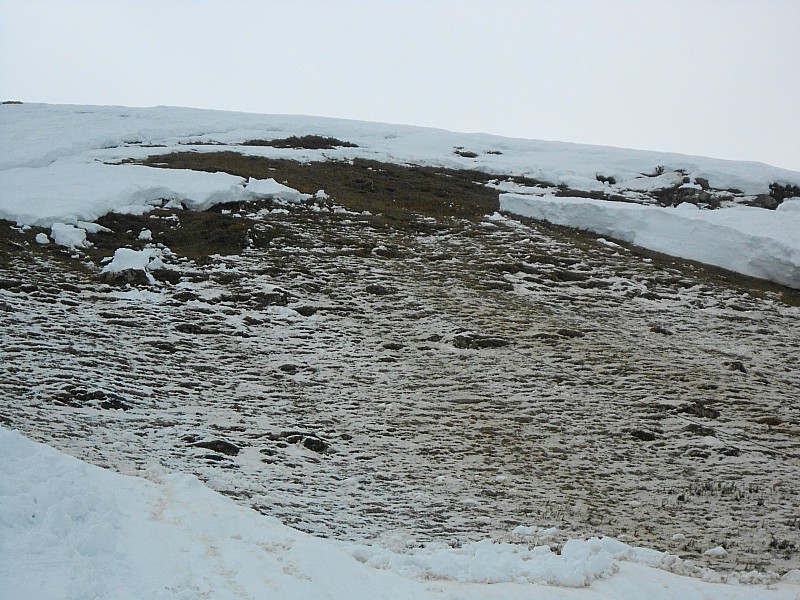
column 604, row 179
column 184, row 296
column 781, row 192
column 379, row 290
column 698, row 429
column 167, row 275
column 226, row 276
column 504, row 286
column 564, row 275
column 165, row 346
column 697, row 453
column 570, row 333
column 114, row 403
column 77, row 397
column 289, row 368
column 770, row 421
column 678, row 195
column 736, row 365
column 393, row 346
column 474, row 341
column 194, row 329
column 763, row 201
column 306, row 311
column 730, row 451
column 315, row 444
column 391, row 253
column 213, row 457
column 9, row 284
column 276, row 297
column 700, row 409
column 220, row 446
column 128, row 276
column 308, row 440
column 702, row 182
column 661, row 330
column 643, row 435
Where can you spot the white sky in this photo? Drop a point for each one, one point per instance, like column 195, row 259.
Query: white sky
column 716, row 78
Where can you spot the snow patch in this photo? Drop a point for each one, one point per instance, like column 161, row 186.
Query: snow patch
column 67, row 235
column 269, row 188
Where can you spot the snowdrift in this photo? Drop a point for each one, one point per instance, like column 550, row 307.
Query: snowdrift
column 71, row 530
column 753, row 241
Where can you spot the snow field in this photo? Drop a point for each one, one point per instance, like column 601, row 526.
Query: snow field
column 87, row 532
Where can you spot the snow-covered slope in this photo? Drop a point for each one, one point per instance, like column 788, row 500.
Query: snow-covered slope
column 71, row 530
column 63, row 164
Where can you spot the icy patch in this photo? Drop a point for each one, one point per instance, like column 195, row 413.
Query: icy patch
column 753, row 241
column 41, row 238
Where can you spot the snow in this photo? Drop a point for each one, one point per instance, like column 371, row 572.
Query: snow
column 72, row 530
column 71, row 190
column 647, row 184
column 70, row 164
column 68, row 235
column 789, row 205
column 752, row 241
column 269, row 188
column 126, row 259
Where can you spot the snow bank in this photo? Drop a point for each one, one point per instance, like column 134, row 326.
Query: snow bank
column 752, row 241
column 71, row 190
column 69, row 530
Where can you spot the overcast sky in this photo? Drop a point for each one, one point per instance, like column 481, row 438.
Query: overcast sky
column 716, row 78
